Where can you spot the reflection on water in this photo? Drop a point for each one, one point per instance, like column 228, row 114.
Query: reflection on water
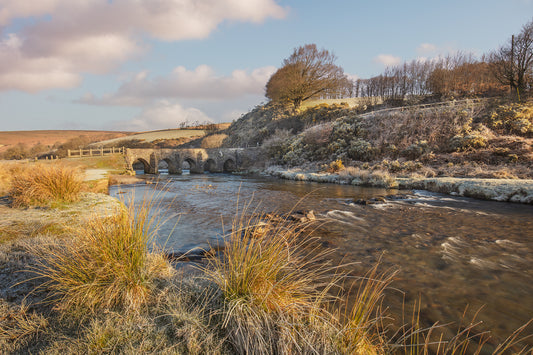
column 452, row 252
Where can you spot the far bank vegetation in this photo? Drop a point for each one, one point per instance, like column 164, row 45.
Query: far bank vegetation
column 455, row 115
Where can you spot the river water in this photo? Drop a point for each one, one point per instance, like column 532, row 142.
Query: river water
column 454, row 254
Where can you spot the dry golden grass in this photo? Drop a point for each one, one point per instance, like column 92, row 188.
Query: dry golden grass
column 213, row 141
column 269, row 288
column 6, row 175
column 44, row 185
column 279, row 294
column 18, row 324
column 107, row 265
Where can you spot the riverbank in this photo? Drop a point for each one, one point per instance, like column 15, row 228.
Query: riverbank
column 506, row 190
column 22, row 230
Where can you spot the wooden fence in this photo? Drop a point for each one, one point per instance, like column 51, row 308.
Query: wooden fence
column 91, row 152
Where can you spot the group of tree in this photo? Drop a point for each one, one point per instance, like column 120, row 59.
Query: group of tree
column 22, row 151
column 311, row 73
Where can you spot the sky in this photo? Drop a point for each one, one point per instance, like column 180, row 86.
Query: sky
column 137, row 65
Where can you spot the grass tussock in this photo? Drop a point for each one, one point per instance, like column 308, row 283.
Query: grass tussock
column 278, row 293
column 44, row 185
column 107, row 265
column 267, row 285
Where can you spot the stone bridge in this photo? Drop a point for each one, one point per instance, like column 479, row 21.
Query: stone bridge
column 215, row 160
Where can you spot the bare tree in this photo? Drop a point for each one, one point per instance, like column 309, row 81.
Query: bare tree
column 307, row 73
column 512, row 63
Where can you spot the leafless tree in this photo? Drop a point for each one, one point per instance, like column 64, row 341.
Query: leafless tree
column 512, row 63
column 307, row 73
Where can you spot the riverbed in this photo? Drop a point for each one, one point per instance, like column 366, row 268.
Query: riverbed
column 453, row 253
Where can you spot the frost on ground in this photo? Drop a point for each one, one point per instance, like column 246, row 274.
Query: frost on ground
column 509, row 190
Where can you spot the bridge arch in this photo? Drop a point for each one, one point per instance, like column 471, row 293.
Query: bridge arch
column 229, row 165
column 147, row 168
column 190, row 163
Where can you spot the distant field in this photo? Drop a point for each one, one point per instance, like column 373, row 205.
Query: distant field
column 50, row 137
column 155, row 135
column 162, row 134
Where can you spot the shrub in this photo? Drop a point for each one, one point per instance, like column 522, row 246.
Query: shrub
column 377, row 178
column 45, row 185
column 317, row 135
column 360, row 149
column 416, row 150
column 470, row 141
column 17, row 152
column 513, row 118
column 335, row 166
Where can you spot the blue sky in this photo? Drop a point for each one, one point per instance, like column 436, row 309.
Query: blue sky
column 150, row 64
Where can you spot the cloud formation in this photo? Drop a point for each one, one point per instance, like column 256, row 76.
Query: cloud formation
column 427, row 48
column 67, row 38
column 162, row 114
column 200, row 83
column 387, row 60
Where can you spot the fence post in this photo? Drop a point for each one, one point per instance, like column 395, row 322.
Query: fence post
column 102, row 151
column 68, row 153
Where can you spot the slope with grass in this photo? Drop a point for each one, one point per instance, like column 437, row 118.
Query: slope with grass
column 476, row 139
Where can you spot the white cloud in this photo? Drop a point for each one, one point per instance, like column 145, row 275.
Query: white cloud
column 70, row 37
column 426, row 48
column 200, row 83
column 387, row 60
column 163, row 114
column 12, row 9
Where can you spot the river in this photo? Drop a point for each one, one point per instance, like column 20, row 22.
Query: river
column 452, row 253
